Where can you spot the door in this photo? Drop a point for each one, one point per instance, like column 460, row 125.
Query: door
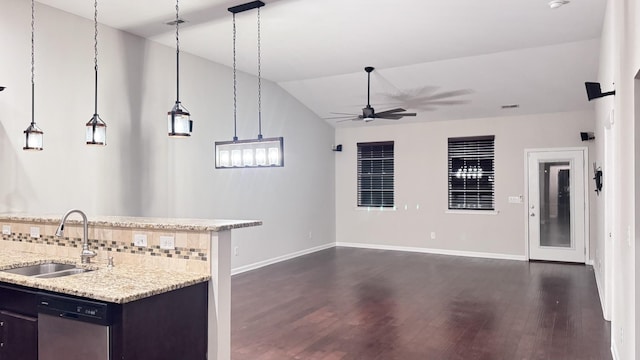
column 556, row 205
column 18, row 336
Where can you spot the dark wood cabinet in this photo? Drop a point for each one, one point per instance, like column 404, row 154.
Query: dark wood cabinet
column 18, row 336
column 18, row 324
column 167, row 326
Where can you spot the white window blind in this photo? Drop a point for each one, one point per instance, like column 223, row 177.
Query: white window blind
column 375, row 174
column 471, row 173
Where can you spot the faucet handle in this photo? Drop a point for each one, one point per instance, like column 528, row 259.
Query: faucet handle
column 110, row 264
column 86, row 256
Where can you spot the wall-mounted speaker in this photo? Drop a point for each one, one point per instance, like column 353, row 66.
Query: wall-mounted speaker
column 594, row 91
column 586, row 136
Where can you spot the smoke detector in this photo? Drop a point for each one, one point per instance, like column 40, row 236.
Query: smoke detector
column 554, row 4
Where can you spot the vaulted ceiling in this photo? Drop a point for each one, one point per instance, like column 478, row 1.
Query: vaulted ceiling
column 445, row 60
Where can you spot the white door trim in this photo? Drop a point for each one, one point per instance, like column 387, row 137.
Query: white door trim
column 585, row 157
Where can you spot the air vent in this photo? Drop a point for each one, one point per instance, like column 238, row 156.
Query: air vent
column 510, row 106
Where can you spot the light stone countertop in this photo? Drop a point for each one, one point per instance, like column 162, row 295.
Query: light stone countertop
column 176, row 224
column 121, row 284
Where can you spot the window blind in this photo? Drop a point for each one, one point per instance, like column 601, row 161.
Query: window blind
column 471, row 173
column 375, row 174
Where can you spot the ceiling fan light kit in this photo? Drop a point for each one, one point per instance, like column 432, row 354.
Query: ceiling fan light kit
column 554, row 4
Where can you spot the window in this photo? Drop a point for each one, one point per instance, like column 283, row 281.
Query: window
column 375, row 174
column 471, row 174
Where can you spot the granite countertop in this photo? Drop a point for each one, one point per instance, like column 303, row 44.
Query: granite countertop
column 120, row 284
column 138, row 222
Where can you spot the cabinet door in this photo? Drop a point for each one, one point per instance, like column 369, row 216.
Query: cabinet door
column 18, row 337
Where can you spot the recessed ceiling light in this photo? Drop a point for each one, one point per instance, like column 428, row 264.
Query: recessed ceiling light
column 510, row 106
column 554, row 4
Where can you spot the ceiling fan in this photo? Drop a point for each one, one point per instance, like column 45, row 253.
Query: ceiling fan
column 369, row 113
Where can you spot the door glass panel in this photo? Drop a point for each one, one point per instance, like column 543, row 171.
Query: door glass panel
column 555, row 204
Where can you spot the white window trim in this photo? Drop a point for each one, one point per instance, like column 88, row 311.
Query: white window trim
column 375, row 208
column 472, row 212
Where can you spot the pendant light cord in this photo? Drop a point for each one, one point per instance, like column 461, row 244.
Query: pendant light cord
column 177, row 52
column 33, row 68
column 95, row 54
column 235, row 83
column 259, row 84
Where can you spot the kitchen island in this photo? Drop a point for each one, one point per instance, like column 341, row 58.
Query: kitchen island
column 200, row 251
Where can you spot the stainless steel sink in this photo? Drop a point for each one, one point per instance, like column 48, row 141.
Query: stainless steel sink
column 49, row 270
column 62, row 273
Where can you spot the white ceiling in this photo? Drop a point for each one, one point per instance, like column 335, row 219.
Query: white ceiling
column 446, row 60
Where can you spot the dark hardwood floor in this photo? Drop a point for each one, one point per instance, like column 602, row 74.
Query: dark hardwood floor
column 345, row 303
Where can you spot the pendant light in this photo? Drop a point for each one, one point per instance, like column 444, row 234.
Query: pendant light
column 180, row 123
column 33, row 134
column 96, row 128
column 258, row 152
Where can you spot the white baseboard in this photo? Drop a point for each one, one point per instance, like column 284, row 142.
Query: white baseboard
column 278, row 259
column 600, row 288
column 614, row 351
column 435, row 251
column 589, row 262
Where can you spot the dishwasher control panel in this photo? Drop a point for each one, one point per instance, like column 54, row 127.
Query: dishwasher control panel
column 75, row 309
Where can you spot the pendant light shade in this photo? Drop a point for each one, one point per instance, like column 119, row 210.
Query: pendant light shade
column 179, row 119
column 96, row 133
column 33, row 138
column 180, row 123
column 33, row 135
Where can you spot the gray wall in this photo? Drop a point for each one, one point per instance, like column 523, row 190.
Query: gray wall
column 421, row 184
column 141, row 171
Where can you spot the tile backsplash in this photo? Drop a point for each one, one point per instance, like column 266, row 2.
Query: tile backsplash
column 191, row 252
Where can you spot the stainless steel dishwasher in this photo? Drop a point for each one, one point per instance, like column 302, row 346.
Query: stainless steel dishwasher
column 72, row 329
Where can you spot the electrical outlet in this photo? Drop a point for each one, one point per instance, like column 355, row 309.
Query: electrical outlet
column 310, row 235
column 235, row 251
column 140, row 240
column 6, row 229
column 515, row 199
column 34, row 232
column 433, row 235
column 167, row 243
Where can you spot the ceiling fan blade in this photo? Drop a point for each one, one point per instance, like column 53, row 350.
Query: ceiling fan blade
column 351, row 119
column 445, row 94
column 394, row 116
column 341, row 113
column 339, row 117
column 396, row 110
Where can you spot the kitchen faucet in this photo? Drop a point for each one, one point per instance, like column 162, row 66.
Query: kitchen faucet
column 86, row 254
